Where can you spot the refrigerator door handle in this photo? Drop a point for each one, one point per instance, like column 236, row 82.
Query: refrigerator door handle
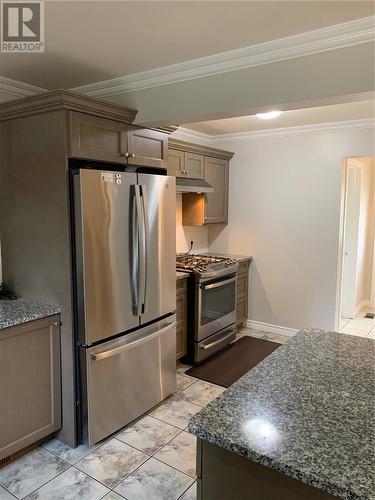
column 97, row 356
column 146, row 249
column 136, row 264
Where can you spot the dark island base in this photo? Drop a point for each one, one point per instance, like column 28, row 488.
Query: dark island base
column 223, row 475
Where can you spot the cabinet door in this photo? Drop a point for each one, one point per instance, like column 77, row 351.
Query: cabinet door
column 29, row 383
column 176, row 162
column 147, row 147
column 194, row 166
column 242, row 285
column 97, row 138
column 216, row 206
column 181, row 318
column 241, row 311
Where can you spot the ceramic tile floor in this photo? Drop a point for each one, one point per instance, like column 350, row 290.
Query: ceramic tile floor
column 359, row 326
column 151, row 459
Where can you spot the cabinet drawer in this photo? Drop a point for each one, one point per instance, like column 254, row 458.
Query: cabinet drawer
column 181, row 286
column 242, row 285
column 241, row 311
column 96, row 138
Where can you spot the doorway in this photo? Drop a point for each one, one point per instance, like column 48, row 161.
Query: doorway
column 357, row 249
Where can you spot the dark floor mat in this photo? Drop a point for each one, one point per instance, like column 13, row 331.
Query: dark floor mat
column 232, row 363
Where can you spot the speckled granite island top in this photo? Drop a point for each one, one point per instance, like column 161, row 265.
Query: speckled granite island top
column 308, row 411
column 15, row 312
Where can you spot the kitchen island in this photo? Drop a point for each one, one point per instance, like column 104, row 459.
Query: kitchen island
column 300, row 425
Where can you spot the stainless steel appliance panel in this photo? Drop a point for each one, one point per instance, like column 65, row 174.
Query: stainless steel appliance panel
column 158, row 246
column 103, row 208
column 215, row 306
column 127, row 377
column 213, row 344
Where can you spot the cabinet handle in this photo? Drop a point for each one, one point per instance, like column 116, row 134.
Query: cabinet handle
column 132, row 155
column 186, row 171
column 125, row 155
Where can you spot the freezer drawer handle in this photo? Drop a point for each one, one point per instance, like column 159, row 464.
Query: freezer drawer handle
column 220, row 283
column 204, row 347
column 130, row 345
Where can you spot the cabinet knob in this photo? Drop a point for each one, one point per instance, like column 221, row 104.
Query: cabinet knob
column 132, row 155
column 125, row 155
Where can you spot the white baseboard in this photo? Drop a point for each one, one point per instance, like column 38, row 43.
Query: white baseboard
column 266, row 327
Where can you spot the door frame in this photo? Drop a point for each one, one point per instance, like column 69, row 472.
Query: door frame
column 340, row 261
column 372, row 298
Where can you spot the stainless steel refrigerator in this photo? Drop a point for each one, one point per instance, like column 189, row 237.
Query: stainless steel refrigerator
column 125, row 275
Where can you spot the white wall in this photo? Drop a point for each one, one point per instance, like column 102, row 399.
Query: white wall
column 366, row 232
column 284, row 209
column 185, row 234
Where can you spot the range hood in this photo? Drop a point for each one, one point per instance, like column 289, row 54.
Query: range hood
column 186, row 185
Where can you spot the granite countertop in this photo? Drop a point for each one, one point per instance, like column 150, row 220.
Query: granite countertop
column 307, row 410
column 15, row 312
column 181, row 275
column 240, row 258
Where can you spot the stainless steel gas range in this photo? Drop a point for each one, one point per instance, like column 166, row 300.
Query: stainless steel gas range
column 211, row 303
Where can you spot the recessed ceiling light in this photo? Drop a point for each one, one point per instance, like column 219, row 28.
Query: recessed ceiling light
column 269, row 115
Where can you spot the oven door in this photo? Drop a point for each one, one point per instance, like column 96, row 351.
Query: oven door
column 216, row 306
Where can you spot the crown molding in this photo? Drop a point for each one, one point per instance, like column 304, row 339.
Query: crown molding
column 65, row 99
column 188, row 135
column 366, row 123
column 201, row 149
column 13, row 89
column 325, row 39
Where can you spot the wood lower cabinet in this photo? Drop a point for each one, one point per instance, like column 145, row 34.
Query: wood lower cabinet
column 242, row 293
column 30, row 383
column 96, row 138
column 181, row 318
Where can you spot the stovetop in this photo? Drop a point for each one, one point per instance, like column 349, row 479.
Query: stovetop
column 204, row 266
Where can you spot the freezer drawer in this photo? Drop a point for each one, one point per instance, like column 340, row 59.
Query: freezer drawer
column 125, row 378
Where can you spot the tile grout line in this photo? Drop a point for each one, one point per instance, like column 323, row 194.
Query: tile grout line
column 186, row 490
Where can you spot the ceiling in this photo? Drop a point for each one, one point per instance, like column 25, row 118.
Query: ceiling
column 293, row 118
column 91, row 41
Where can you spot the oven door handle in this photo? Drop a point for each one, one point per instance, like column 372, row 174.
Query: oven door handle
column 204, row 347
column 220, row 283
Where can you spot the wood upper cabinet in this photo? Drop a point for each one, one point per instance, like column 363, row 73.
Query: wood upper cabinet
column 147, row 147
column 216, row 173
column 176, row 162
column 100, row 139
column 194, row 166
column 184, row 164
column 30, row 383
column 96, row 138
